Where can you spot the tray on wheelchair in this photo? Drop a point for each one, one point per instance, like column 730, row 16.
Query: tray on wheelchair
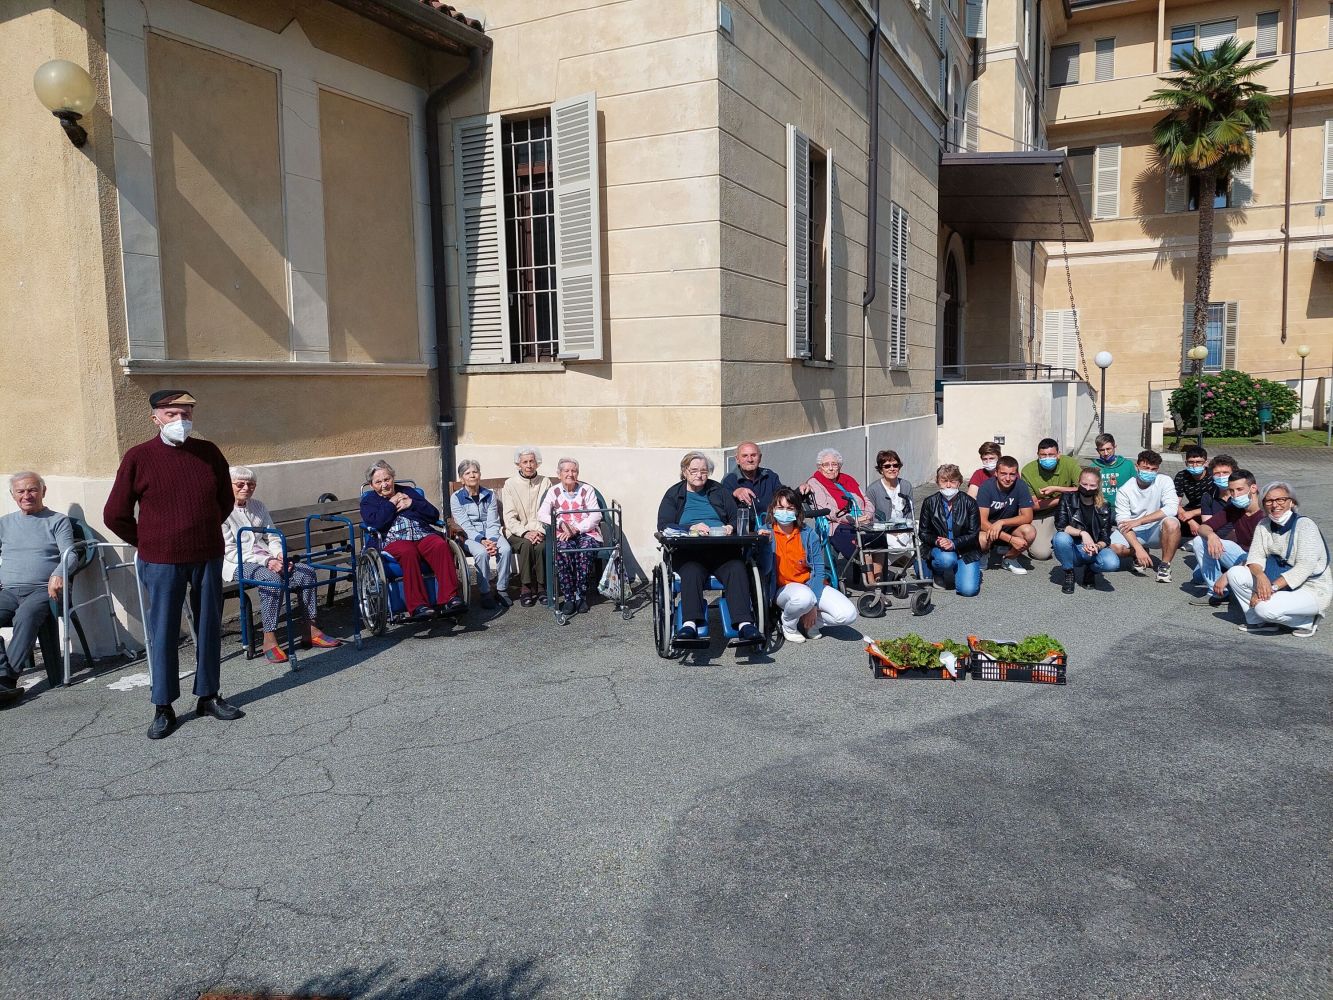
column 675, row 541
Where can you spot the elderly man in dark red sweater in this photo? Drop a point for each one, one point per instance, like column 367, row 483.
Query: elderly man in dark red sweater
column 182, row 487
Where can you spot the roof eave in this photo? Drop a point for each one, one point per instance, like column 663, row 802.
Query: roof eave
column 427, row 25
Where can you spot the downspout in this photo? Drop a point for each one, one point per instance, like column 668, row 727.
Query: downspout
column 872, row 224
column 1286, row 191
column 434, row 105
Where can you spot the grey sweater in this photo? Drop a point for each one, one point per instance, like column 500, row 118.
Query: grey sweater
column 30, row 547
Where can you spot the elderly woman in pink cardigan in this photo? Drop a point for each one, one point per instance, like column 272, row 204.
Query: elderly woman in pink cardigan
column 573, row 507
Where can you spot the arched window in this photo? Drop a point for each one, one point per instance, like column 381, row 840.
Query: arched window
column 952, row 342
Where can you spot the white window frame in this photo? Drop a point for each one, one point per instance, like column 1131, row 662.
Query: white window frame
column 1229, row 313
column 1103, row 59
column 800, row 328
column 1259, row 51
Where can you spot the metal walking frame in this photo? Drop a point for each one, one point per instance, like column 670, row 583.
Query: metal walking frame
column 90, row 551
column 904, row 580
column 612, row 549
column 328, row 561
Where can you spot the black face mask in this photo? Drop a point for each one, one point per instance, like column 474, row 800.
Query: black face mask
column 1083, row 491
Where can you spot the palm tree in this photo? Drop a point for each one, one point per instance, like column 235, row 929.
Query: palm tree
column 1213, row 106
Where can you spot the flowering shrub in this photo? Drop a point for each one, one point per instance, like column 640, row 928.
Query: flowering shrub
column 1231, row 403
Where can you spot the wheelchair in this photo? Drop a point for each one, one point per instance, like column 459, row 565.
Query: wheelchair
column 379, row 581
column 667, row 617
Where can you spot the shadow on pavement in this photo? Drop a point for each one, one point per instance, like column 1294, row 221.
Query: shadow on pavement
column 516, row 980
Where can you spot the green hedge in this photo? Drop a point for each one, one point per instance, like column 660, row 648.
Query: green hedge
column 1231, row 403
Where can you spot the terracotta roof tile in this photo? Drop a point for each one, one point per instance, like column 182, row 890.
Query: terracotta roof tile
column 449, row 10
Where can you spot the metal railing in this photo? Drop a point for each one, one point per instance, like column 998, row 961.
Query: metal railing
column 1026, row 370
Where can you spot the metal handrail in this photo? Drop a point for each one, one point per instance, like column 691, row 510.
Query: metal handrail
column 1039, row 371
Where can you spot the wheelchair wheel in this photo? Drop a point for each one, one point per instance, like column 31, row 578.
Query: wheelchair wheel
column 372, row 591
column 871, row 605
column 921, row 602
column 460, row 568
column 661, row 613
column 760, row 605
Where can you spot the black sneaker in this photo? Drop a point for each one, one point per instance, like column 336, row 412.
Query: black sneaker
column 164, row 723
column 487, row 601
column 1068, row 585
column 1089, row 579
column 9, row 681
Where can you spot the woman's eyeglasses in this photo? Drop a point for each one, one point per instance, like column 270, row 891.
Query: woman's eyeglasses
column 1270, row 501
column 890, row 465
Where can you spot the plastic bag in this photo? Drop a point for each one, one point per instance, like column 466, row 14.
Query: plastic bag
column 612, row 583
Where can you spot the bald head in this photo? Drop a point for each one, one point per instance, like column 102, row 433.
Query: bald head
column 747, row 457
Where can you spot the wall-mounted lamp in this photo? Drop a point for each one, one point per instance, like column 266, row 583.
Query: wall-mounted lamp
column 67, row 91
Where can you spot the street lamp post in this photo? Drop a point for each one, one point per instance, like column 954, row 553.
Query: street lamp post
column 1304, row 352
column 1103, row 361
column 1198, row 353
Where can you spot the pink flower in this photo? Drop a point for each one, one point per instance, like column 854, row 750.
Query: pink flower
column 1210, row 393
column 1207, row 416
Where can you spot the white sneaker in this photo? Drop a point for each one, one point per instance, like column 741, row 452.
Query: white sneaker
column 792, row 636
column 1164, row 573
column 1305, row 631
column 1015, row 567
column 1138, row 570
column 1259, row 628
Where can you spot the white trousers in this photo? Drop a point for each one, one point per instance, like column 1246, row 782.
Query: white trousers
column 1292, row 608
column 795, row 599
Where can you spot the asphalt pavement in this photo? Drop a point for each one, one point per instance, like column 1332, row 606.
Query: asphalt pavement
column 519, row 810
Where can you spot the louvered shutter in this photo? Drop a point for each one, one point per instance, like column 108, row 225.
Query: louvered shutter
column 828, row 255
column 1177, row 192
column 899, row 238
column 1330, row 28
column 972, row 119
column 1106, row 198
column 479, row 204
column 1105, row 59
column 578, row 242
column 975, row 19
column 1265, row 43
column 798, row 243
column 1242, row 180
column 1214, row 34
column 1059, row 339
column 1187, row 337
column 1231, row 335
column 1328, row 157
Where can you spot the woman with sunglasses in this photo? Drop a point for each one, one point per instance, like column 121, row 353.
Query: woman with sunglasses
column 1286, row 581
column 891, row 499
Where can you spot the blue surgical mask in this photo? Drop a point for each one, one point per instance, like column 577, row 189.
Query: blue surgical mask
column 784, row 516
column 1195, row 470
column 1048, row 463
column 1241, row 501
column 1146, row 476
column 1221, row 482
column 1108, row 460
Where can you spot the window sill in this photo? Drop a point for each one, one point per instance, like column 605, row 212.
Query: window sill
column 525, row 367
column 816, row 363
column 142, row 366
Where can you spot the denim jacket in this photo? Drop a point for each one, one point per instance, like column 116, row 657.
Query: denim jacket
column 479, row 516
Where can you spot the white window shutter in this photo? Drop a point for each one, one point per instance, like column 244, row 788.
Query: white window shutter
column 972, row 119
column 975, row 19
column 1213, row 34
column 1106, row 184
column 1265, row 32
column 1059, row 339
column 1105, row 59
column 1328, row 154
column 798, row 243
column 1230, row 336
column 1242, row 180
column 578, row 228
column 899, row 239
column 482, row 259
column 1177, row 192
column 828, row 255
column 1186, row 337
column 1330, row 25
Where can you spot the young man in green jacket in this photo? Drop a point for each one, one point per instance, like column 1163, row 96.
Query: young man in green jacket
column 1049, row 478
column 1116, row 469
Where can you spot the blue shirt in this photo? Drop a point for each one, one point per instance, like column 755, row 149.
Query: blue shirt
column 764, row 484
column 1000, row 504
column 699, row 511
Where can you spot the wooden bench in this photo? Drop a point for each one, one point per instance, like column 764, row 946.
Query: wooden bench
column 1183, row 432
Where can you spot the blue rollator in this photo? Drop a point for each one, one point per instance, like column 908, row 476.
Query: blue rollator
column 379, row 578
column 335, row 537
column 667, row 614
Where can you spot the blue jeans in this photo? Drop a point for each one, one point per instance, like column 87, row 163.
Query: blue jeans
column 1210, row 570
column 164, row 586
column 1069, row 550
column 966, row 575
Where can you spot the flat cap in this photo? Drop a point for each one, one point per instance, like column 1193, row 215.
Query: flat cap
column 170, row 397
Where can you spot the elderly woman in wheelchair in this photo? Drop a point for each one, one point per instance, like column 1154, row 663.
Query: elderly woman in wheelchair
column 698, row 505
column 403, row 522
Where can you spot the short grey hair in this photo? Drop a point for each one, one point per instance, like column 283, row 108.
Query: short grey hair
column 242, row 474
column 690, row 456
column 1279, row 485
column 467, row 464
column 561, row 463
column 18, row 477
column 832, row 453
column 381, row 464
column 527, row 450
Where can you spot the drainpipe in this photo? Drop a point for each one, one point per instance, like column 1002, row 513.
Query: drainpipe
column 434, row 105
column 872, row 224
column 1286, row 191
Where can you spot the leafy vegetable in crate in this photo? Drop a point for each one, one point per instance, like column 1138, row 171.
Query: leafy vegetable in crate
column 1033, row 649
column 912, row 652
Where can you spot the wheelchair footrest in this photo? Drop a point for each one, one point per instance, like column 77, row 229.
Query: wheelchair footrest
column 739, row 643
column 702, row 642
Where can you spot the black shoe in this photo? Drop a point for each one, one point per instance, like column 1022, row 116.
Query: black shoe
column 219, row 708
column 749, row 632
column 527, row 599
column 455, row 607
column 1068, row 586
column 164, row 723
column 502, row 599
column 687, row 633
column 9, row 682
column 568, row 608
column 583, row 607
column 1208, row 600
column 487, row 601
column 423, row 613
column 11, row 696
column 1089, row 580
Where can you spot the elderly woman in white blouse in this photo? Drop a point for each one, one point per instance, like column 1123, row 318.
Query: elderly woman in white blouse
column 260, row 553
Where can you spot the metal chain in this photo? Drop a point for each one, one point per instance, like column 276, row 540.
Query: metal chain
column 1069, row 283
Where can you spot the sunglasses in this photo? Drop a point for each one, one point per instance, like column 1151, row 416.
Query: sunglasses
column 890, row 465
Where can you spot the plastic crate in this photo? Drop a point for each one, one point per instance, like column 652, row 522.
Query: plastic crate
column 889, row 671
column 982, row 668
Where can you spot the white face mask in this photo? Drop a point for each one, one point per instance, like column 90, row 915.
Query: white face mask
column 989, row 464
column 949, row 492
column 1281, row 520
column 177, row 431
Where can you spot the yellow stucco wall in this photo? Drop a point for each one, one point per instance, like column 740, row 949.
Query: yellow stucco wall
column 219, row 204
column 370, row 249
column 55, row 363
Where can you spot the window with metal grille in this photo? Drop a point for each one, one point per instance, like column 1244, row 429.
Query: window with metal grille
column 529, row 213
column 1221, row 332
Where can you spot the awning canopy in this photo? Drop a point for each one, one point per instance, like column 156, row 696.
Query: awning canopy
column 1324, row 254
column 1012, row 196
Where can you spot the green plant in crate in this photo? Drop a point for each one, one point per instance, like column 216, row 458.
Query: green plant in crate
column 911, row 652
column 1231, row 402
column 1033, row 649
